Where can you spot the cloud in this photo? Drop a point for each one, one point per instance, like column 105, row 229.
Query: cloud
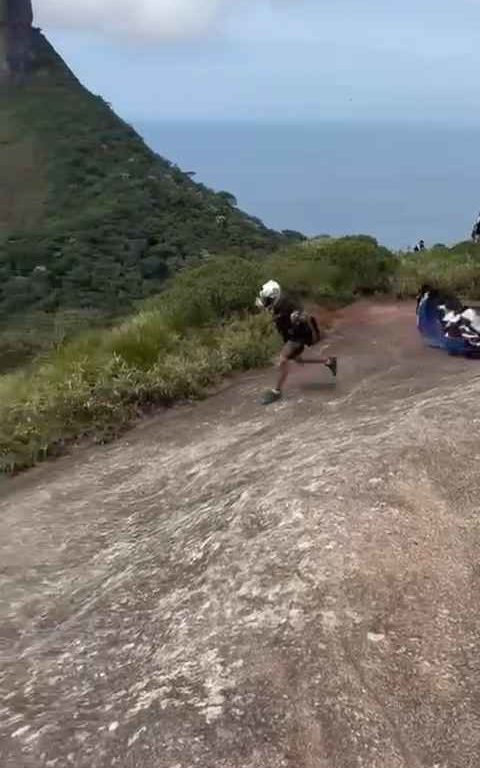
column 157, row 20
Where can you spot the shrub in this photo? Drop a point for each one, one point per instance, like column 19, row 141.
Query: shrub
column 210, row 292
column 337, row 269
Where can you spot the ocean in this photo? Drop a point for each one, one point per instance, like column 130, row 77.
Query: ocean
column 399, row 183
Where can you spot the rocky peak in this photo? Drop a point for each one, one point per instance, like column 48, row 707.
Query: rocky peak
column 16, row 37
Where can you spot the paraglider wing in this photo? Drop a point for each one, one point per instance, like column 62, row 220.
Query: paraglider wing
column 446, row 324
column 428, row 318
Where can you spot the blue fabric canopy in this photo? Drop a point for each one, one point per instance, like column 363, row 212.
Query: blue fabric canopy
column 446, row 324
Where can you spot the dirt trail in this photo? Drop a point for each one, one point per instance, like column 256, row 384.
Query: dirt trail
column 237, row 587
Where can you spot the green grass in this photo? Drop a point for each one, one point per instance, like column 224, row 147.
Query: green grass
column 454, row 269
column 92, row 390
column 200, row 329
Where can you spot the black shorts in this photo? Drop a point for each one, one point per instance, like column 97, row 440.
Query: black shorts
column 293, row 349
column 298, row 337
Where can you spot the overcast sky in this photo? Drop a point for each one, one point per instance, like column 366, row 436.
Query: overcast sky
column 274, row 59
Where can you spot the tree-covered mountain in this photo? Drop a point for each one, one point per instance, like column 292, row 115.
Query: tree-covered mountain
column 90, row 217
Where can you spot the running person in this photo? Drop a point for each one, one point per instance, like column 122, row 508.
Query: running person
column 297, row 329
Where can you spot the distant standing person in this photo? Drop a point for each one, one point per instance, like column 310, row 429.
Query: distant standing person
column 476, row 230
column 420, row 246
column 297, row 329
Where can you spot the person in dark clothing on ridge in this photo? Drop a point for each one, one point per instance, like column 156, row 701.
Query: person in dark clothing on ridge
column 297, row 329
column 420, row 246
column 476, row 230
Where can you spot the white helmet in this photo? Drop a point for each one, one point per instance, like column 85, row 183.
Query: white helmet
column 270, row 292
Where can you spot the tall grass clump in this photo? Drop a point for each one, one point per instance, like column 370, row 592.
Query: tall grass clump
column 454, row 269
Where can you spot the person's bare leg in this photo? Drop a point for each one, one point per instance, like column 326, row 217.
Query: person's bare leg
column 276, row 393
column 284, row 367
column 314, row 361
column 283, row 371
column 329, row 362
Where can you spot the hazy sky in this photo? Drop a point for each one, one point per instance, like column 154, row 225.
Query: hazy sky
column 274, row 59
